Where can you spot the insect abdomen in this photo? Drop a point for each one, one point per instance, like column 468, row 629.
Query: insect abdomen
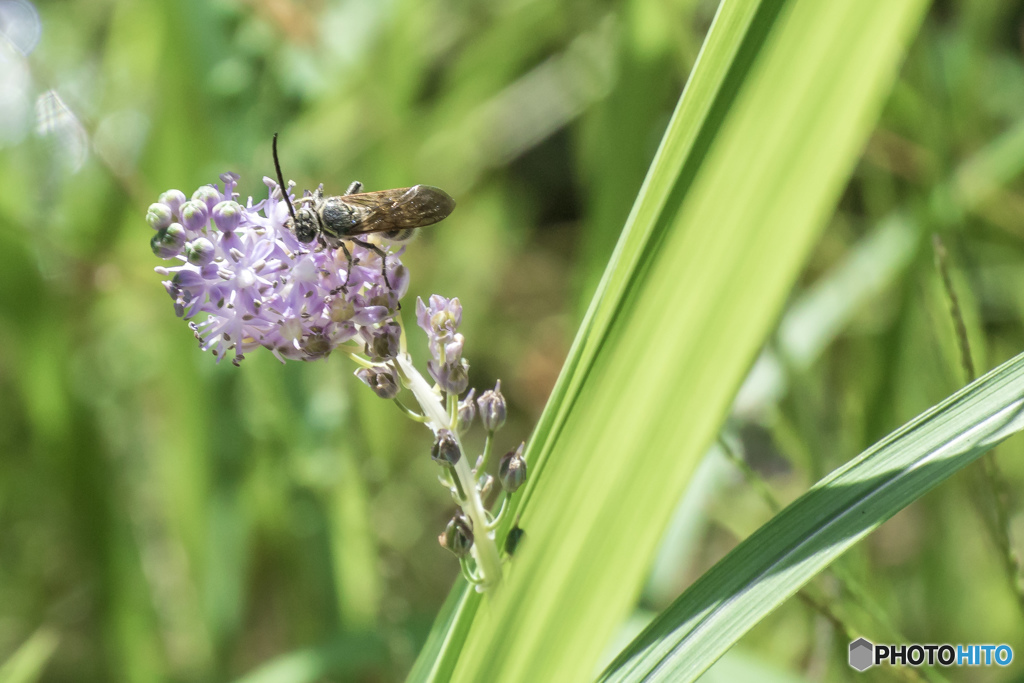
column 399, row 235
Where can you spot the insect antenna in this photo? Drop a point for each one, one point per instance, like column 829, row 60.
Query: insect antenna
column 280, row 182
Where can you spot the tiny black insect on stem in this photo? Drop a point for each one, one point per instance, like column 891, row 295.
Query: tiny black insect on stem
column 515, row 535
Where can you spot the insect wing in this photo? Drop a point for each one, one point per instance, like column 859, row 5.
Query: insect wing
column 401, row 208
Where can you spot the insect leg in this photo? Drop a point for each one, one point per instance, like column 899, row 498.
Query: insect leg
column 383, row 258
column 348, row 255
column 355, row 188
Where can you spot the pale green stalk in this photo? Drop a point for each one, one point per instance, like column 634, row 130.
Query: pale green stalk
column 485, row 551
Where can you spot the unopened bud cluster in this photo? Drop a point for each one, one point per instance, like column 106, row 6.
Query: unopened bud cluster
column 460, row 406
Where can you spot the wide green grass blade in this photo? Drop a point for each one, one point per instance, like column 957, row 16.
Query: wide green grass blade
column 756, row 154
column 780, row 557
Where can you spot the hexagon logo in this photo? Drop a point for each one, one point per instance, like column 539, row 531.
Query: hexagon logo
column 861, row 654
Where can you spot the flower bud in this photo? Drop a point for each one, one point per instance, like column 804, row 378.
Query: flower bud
column 167, row 243
column 453, row 349
column 512, row 469
column 492, row 408
column 194, row 215
column 382, row 381
column 452, row 377
column 227, row 215
column 457, row 378
column 384, row 341
column 159, row 216
column 467, row 411
column 442, row 374
column 173, row 199
column 457, row 536
column 207, row 195
column 445, row 450
column 200, row 252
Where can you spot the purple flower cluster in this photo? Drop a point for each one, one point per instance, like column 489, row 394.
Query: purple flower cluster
column 259, row 286
column 440, row 320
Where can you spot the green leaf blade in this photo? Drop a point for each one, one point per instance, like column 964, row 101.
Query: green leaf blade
column 774, row 562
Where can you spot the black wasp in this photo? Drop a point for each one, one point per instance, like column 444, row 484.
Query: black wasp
column 394, row 214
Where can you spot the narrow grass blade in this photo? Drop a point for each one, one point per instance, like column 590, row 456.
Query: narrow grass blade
column 774, row 562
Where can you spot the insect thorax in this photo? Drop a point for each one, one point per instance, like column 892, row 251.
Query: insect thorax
column 338, row 218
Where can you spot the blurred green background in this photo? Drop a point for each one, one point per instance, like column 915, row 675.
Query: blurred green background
column 163, row 518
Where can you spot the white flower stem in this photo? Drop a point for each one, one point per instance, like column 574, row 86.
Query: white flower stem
column 486, row 456
column 485, row 551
